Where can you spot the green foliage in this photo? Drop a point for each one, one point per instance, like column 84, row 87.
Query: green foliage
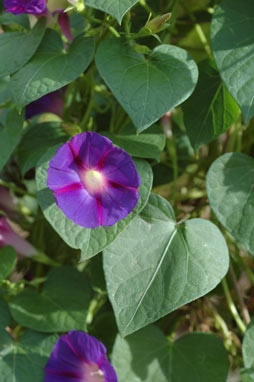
column 41, row 137
column 232, row 41
column 51, row 67
column 157, row 265
column 10, row 135
column 147, row 356
column 116, row 8
column 5, row 315
column 5, row 93
column 7, row 261
column 61, row 306
column 210, row 110
column 147, row 145
column 146, row 87
column 248, row 354
column 124, row 70
column 230, row 191
column 24, row 361
column 16, row 48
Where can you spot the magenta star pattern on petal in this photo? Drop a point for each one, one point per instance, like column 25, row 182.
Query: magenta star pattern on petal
column 79, row 357
column 94, row 182
column 34, row 7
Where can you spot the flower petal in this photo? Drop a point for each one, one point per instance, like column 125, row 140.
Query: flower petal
column 94, row 182
column 117, row 203
column 16, row 7
column 78, row 357
column 79, row 206
column 91, row 148
column 119, row 168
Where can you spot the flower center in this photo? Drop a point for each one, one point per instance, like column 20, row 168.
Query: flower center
column 92, row 373
column 93, row 181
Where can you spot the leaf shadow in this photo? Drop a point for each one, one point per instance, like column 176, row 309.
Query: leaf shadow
column 160, row 355
column 46, row 198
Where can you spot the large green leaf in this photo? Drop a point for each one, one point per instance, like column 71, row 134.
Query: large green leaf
column 37, row 141
column 51, row 67
column 147, row 145
column 10, row 135
column 7, row 261
column 157, row 265
column 230, row 182
column 5, row 92
column 61, row 306
column 210, row 110
column 10, row 18
column 5, row 315
column 16, row 48
column 248, row 346
column 24, row 361
column 232, row 40
column 247, row 373
column 90, row 241
column 116, row 8
column 147, row 356
column 146, row 87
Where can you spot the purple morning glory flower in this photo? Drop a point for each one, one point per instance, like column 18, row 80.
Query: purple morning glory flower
column 94, row 182
column 78, row 357
column 50, row 103
column 34, row 7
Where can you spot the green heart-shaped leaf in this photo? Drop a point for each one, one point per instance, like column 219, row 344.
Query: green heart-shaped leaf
column 147, row 356
column 41, row 137
column 248, row 346
column 116, row 8
column 24, row 361
column 232, row 41
column 146, row 87
column 230, row 185
column 157, row 265
column 7, row 261
column 16, row 48
column 247, row 374
column 147, row 145
column 57, row 308
column 10, row 135
column 5, row 315
column 51, row 67
column 90, row 241
column 210, row 110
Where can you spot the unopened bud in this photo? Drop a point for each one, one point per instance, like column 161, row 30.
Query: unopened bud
column 156, row 24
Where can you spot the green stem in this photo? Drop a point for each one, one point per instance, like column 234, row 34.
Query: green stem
column 87, row 113
column 243, row 307
column 246, row 268
column 199, row 31
column 173, row 15
column 173, row 156
column 146, row 7
column 14, row 188
column 95, row 305
column 114, row 31
column 232, row 306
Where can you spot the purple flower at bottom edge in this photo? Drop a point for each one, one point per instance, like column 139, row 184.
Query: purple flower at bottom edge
column 78, row 357
column 94, row 182
column 17, row 7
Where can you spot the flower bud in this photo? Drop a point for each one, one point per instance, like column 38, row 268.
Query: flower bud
column 156, row 24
